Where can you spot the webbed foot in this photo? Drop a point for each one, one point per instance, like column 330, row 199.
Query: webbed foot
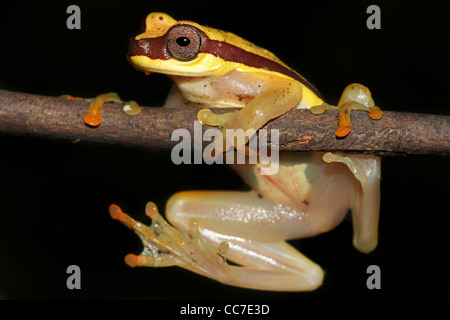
column 354, row 97
column 166, row 246
column 92, row 118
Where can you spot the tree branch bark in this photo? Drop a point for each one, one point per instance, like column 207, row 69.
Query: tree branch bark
column 300, row 130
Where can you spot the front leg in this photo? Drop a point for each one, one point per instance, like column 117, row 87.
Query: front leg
column 278, row 97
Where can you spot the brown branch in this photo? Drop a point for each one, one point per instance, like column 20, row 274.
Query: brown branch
column 51, row 117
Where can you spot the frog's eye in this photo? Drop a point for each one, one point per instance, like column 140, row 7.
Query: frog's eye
column 183, row 42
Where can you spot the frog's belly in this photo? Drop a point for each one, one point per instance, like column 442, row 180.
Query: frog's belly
column 233, row 90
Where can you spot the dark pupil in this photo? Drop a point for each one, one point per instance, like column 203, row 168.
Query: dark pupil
column 183, row 41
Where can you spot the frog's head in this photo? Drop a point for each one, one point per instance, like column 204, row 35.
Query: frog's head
column 185, row 48
column 174, row 48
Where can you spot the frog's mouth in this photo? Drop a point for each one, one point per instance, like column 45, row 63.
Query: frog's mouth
column 203, row 65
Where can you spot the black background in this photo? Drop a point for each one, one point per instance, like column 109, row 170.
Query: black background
column 53, row 216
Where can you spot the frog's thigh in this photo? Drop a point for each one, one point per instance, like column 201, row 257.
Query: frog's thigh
column 239, row 213
column 253, row 228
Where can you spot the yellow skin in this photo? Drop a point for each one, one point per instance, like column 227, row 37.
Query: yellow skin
column 310, row 194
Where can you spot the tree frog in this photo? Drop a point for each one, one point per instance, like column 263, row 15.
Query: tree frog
column 310, row 194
